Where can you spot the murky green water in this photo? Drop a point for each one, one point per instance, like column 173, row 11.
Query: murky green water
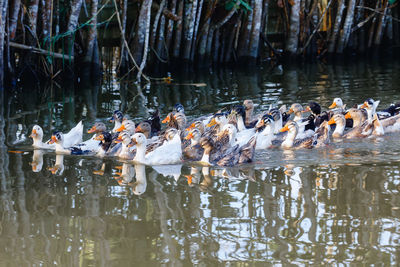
column 333, row 205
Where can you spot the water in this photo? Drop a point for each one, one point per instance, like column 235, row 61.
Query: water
column 338, row 204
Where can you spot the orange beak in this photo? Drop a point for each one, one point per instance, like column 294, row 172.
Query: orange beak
column 139, row 129
column 120, row 129
column 166, row 120
column 333, row 105
column 53, row 140
column 307, row 109
column 189, row 136
column 34, row 133
column 212, row 122
column 189, row 177
column 331, row 121
column 347, row 116
column 290, row 111
column 99, row 137
column 92, row 130
column 365, row 105
column 284, row 129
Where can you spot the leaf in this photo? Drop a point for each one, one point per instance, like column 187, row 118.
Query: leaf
column 245, row 5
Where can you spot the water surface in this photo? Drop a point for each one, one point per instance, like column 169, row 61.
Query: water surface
column 338, row 204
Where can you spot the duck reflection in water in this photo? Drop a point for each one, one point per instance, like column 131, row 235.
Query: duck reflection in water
column 37, row 160
column 127, row 174
column 58, row 168
column 173, row 171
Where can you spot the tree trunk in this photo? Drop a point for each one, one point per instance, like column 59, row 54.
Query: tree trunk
column 381, row 24
column 196, row 28
column 372, row 27
column 170, row 27
column 124, row 60
column 244, row 41
column 256, row 28
column 348, row 23
column 92, row 34
column 72, row 24
column 142, row 32
column 178, row 32
column 47, row 8
column 361, row 32
column 160, row 47
column 155, row 24
column 13, row 18
column 33, row 10
column 336, row 26
column 3, row 10
column 146, row 24
column 188, row 28
column 292, row 40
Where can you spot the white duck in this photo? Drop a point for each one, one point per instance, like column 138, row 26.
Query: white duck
column 125, row 139
column 337, row 105
column 266, row 126
column 91, row 144
column 170, row 152
column 74, row 136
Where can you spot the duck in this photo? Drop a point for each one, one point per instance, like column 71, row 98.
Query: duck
column 370, row 105
column 249, row 109
column 198, row 124
column 265, row 132
column 104, row 137
column 170, row 152
column 140, row 185
column 278, row 117
column 320, row 138
column 316, row 117
column 117, row 118
column 358, row 116
column 239, row 116
column 298, row 111
column 92, row 144
column 218, row 121
column 58, row 167
column 177, row 118
column 125, row 139
column 340, row 121
column 37, row 160
column 155, row 123
column 233, row 156
column 193, row 151
column 127, row 125
column 74, row 136
column 366, row 129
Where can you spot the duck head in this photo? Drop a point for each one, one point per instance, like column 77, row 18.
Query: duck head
column 145, row 128
column 266, row 120
column 57, row 138
column 178, row 107
column 194, row 135
column 218, row 118
column 98, row 127
column 314, row 108
column 290, row 127
column 337, row 103
column 138, row 139
column 37, row 133
column 248, row 104
column 127, row 125
column 117, row 116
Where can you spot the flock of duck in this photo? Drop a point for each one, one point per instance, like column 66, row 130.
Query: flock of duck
column 225, row 138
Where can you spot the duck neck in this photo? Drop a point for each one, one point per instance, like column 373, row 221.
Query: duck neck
column 116, row 126
column 124, row 150
column 339, row 130
column 268, row 130
column 60, row 148
column 357, row 121
column 289, row 139
column 140, row 153
column 249, row 115
column 298, row 116
column 278, row 125
column 240, row 123
column 37, row 142
column 370, row 113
